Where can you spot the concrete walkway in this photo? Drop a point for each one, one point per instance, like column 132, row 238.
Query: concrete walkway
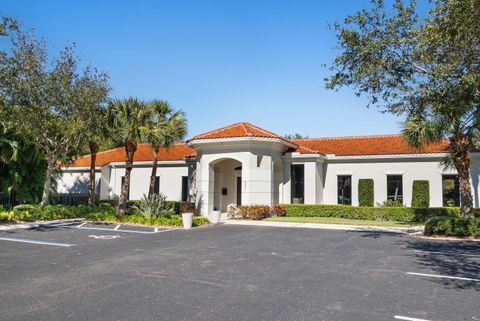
column 341, row 227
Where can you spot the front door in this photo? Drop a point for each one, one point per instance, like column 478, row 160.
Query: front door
column 239, row 190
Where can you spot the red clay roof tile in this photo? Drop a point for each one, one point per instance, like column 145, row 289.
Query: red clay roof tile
column 242, row 129
column 366, row 145
column 339, row 146
column 144, row 153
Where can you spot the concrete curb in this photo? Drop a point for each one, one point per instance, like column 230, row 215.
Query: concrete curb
column 339, row 227
column 53, row 223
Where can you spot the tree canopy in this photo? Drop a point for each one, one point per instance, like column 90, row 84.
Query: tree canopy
column 425, row 67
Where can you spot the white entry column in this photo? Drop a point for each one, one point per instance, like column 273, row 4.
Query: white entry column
column 257, row 180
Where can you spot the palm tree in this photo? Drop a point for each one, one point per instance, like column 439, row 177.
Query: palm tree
column 167, row 127
column 461, row 127
column 91, row 97
column 129, row 119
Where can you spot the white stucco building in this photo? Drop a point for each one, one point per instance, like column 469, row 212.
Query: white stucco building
column 244, row 164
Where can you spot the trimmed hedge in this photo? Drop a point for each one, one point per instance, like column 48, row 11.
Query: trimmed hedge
column 421, row 194
column 399, row 214
column 366, row 192
column 453, row 226
column 30, row 213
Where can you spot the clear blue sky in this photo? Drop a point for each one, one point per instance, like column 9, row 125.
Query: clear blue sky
column 219, row 61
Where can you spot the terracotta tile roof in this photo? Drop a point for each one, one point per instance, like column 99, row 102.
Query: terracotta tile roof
column 242, row 129
column 143, row 153
column 365, row 145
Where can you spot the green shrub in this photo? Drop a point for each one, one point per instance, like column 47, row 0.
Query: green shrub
column 453, row 226
column 6, row 217
column 400, row 214
column 421, row 194
column 254, row 212
column 174, row 220
column 392, row 203
column 153, row 205
column 278, row 210
column 174, row 205
column 365, row 192
column 30, row 213
column 200, row 220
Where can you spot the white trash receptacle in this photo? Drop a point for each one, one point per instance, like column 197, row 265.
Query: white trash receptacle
column 187, row 219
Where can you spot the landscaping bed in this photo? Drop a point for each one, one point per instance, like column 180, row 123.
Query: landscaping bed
column 397, row 214
column 453, row 227
column 335, row 220
column 104, row 212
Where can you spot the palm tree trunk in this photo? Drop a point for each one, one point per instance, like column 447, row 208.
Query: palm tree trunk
column 130, row 148
column 460, row 147
column 466, row 199
column 48, row 180
column 91, row 183
column 153, row 176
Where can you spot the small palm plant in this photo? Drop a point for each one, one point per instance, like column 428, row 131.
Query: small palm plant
column 153, row 206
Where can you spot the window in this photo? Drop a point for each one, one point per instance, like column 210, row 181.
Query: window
column 298, row 189
column 156, row 189
column 185, row 188
column 395, row 188
column 450, row 190
column 344, row 189
column 121, row 186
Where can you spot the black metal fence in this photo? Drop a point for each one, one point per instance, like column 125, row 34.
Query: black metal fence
column 7, row 200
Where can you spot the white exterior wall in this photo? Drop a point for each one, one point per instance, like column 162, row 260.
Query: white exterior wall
column 170, row 181
column 430, row 170
column 257, row 173
column 75, row 181
column 266, row 183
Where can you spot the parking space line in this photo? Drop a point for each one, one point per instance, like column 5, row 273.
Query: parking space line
column 447, row 253
column 11, row 239
column 121, row 230
column 443, row 276
column 117, row 227
column 399, row 317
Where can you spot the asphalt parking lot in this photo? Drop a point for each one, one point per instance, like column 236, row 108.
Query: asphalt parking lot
column 235, row 273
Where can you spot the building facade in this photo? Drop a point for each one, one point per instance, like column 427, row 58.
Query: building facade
column 244, row 164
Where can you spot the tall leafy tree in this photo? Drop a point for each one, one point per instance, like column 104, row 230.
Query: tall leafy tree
column 40, row 97
column 425, row 67
column 91, row 96
column 167, row 127
column 129, row 120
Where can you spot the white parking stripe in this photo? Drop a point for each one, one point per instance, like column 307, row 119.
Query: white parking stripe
column 447, row 253
column 443, row 276
column 11, row 239
column 399, row 317
column 117, row 227
column 125, row 231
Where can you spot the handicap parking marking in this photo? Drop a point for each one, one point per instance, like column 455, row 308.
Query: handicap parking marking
column 39, row 242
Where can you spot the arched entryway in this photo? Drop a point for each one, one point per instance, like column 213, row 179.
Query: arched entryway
column 227, row 183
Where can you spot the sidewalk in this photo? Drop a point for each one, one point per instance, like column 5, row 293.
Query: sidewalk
column 339, row 227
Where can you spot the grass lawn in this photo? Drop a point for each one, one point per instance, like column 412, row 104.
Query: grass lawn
column 336, row 220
